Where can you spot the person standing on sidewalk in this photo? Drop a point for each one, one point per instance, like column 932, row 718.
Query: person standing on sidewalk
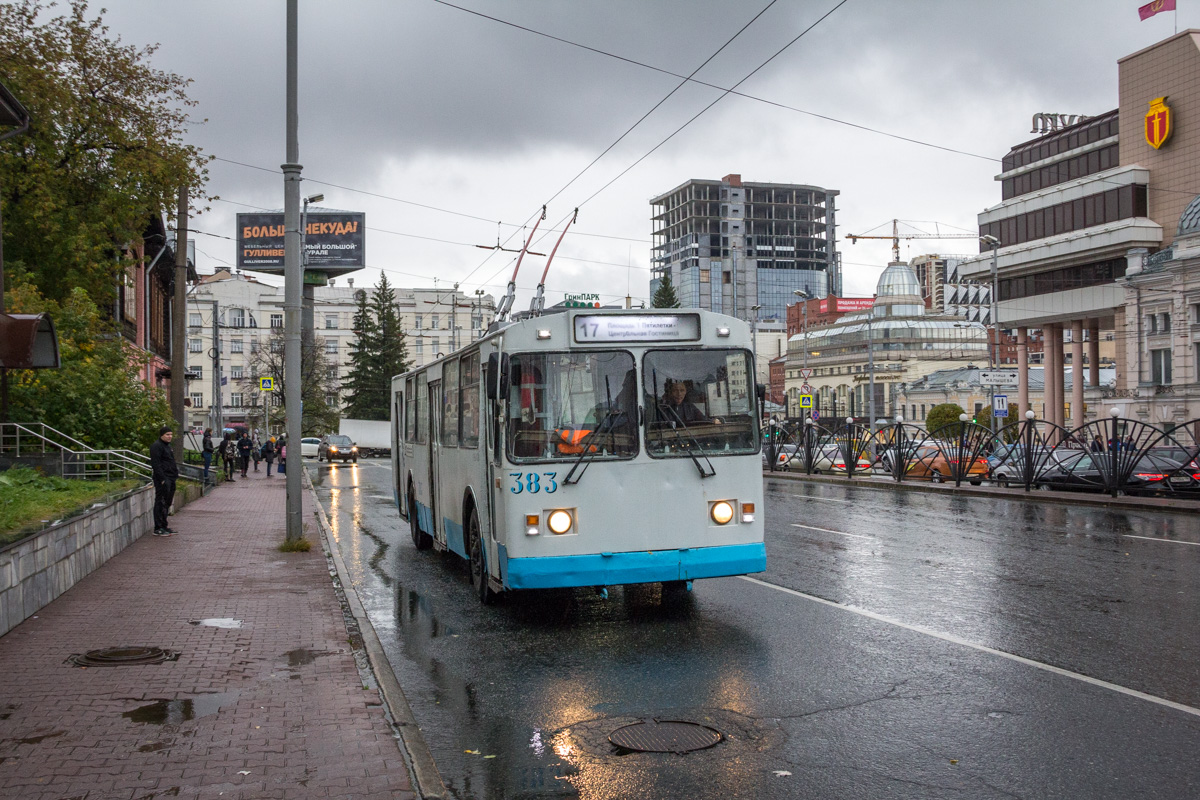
column 268, row 453
column 164, row 471
column 207, row 451
column 244, row 446
column 256, row 451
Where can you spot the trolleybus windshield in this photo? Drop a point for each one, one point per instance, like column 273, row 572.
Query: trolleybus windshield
column 562, row 405
column 699, row 399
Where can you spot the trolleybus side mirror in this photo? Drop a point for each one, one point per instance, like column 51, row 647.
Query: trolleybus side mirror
column 495, row 362
column 761, row 388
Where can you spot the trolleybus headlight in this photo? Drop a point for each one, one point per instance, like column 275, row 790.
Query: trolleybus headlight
column 559, row 521
column 531, row 524
column 747, row 512
column 721, row 512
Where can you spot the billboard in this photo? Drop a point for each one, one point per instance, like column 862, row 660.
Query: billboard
column 847, row 304
column 334, row 241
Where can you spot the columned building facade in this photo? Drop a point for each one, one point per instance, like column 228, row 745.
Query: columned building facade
column 1083, row 207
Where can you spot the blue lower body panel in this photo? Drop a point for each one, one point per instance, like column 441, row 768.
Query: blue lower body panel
column 615, row 569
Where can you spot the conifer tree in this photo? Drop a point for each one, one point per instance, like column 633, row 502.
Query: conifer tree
column 359, row 380
column 665, row 296
column 379, row 355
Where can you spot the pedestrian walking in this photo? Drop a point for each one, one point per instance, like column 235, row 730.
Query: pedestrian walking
column 282, row 456
column 268, row 453
column 244, row 447
column 228, row 453
column 256, row 452
column 163, row 471
column 207, row 451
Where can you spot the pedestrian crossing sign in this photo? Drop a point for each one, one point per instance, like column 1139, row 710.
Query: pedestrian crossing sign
column 806, row 401
column 266, row 384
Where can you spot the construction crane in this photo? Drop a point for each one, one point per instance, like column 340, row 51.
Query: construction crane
column 897, row 236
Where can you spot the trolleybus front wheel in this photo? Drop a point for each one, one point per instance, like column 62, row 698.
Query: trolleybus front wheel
column 422, row 541
column 479, row 578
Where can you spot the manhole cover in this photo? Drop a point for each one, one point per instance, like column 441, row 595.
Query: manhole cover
column 122, row 656
column 653, row 736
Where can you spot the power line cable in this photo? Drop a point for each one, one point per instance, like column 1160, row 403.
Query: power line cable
column 755, row 98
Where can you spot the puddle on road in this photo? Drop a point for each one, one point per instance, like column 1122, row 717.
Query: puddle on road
column 217, row 622
column 174, row 712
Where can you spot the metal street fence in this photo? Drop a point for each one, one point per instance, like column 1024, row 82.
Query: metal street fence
column 76, row 460
column 1113, row 455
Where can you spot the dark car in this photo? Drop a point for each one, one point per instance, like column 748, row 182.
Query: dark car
column 1088, row 472
column 335, row 446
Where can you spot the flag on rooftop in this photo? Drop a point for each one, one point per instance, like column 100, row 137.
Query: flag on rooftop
column 1150, row 9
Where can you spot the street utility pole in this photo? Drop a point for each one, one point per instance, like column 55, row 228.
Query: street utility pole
column 179, row 324
column 292, row 288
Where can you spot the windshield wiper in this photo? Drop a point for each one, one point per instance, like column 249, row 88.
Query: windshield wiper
column 589, row 450
column 690, row 443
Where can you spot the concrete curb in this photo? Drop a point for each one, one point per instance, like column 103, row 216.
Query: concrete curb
column 996, row 493
column 428, row 782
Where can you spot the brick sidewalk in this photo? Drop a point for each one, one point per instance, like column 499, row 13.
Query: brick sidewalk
column 274, row 709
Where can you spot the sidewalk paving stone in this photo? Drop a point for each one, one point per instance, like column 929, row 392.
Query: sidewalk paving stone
column 273, row 698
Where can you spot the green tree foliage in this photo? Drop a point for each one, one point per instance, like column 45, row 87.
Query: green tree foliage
column 98, row 396
column 944, row 418
column 320, row 417
column 103, row 154
column 665, row 297
column 380, row 354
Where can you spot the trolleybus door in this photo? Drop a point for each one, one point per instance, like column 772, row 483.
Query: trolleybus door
column 435, row 440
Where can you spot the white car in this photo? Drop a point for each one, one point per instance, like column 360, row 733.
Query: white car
column 309, row 445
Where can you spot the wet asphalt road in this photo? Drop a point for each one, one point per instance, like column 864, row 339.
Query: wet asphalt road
column 856, row 666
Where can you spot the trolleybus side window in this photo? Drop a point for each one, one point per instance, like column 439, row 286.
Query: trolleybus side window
column 699, row 399
column 410, row 412
column 468, row 404
column 562, row 405
column 449, row 432
column 422, row 409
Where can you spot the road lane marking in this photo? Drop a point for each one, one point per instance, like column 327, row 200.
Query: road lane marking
column 826, row 499
column 945, row 637
column 1158, row 539
column 826, row 530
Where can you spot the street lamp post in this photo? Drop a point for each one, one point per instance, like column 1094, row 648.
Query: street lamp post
column 801, row 294
column 994, row 350
column 871, row 368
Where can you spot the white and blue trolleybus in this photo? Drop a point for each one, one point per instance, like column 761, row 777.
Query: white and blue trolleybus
column 587, row 447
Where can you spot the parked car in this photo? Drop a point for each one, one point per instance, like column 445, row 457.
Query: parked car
column 1087, row 472
column 336, row 446
column 1007, row 465
column 937, row 466
column 828, row 459
column 783, row 454
column 309, row 446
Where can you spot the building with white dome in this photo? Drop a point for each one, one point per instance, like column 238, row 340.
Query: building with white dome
column 893, row 343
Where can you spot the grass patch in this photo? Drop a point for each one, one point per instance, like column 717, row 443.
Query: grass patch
column 27, row 498
column 299, row 546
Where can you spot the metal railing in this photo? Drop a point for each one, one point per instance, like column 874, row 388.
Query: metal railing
column 1113, row 455
column 77, row 460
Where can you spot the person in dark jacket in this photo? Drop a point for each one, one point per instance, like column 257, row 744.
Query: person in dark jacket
column 256, row 451
column 268, row 453
column 228, row 453
column 207, row 451
column 164, row 471
column 244, row 446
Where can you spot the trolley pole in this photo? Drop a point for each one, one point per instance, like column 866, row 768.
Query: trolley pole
column 293, row 288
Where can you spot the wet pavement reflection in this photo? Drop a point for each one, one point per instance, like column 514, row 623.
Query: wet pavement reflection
column 518, row 700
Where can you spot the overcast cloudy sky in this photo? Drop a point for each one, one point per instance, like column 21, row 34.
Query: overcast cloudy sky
column 440, row 123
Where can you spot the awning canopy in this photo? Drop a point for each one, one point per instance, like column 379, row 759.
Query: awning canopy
column 28, row 341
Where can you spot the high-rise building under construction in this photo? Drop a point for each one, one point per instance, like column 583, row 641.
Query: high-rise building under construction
column 730, row 245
